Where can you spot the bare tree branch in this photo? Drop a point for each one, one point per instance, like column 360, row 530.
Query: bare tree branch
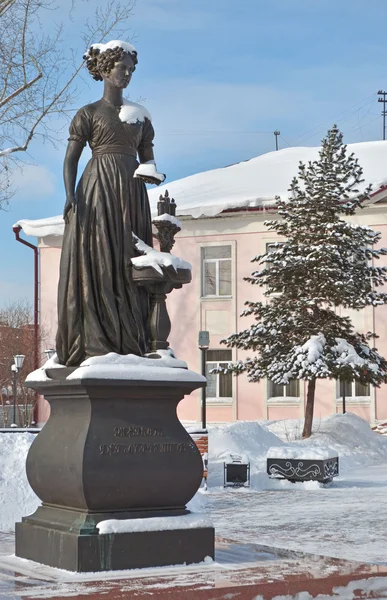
column 20, row 90
column 35, row 80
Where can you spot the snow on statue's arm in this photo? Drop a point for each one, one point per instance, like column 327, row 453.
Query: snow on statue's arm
column 131, row 112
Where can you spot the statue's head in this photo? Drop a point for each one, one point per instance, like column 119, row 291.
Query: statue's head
column 114, row 61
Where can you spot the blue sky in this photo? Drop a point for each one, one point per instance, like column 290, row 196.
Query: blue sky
column 219, row 77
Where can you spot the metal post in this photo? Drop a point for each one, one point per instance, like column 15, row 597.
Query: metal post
column 204, row 390
column 204, row 344
column 276, row 133
column 383, row 100
column 14, row 424
column 344, row 399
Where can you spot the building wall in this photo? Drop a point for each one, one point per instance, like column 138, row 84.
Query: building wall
column 248, row 236
column 50, row 249
column 190, row 313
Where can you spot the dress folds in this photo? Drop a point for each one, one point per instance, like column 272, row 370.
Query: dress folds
column 100, row 310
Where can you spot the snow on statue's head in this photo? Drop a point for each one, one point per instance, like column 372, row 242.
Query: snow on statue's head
column 101, row 58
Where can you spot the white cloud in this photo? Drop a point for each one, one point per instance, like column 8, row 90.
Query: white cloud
column 33, row 181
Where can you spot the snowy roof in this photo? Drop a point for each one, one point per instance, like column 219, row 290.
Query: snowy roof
column 258, row 181
column 249, row 184
column 42, row 227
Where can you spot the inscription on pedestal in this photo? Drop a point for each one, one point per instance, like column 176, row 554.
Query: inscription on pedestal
column 137, row 431
column 112, row 449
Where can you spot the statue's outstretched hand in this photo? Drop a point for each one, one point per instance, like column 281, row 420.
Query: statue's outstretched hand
column 148, row 172
column 149, row 179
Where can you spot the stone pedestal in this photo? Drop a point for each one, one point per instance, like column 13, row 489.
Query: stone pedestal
column 112, row 449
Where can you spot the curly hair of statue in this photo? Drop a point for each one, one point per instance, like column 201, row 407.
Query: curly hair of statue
column 98, row 62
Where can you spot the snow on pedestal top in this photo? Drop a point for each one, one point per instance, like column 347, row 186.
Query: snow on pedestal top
column 190, row 521
column 249, row 184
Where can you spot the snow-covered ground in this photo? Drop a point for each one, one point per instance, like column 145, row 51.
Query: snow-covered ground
column 344, row 519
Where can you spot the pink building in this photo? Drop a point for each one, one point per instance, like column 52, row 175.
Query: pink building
column 223, row 214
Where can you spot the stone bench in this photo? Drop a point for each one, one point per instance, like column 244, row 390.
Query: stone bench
column 302, row 464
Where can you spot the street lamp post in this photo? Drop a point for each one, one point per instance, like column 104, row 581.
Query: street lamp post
column 17, row 365
column 204, row 344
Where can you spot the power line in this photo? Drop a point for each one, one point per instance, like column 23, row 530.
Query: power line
column 287, row 143
column 342, row 116
column 224, row 131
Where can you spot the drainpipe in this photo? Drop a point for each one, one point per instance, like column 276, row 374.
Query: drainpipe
column 16, row 231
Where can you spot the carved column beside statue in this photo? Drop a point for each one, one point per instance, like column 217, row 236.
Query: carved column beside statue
column 160, row 283
column 113, row 457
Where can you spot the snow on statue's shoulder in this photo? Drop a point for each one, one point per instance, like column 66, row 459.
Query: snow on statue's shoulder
column 131, row 112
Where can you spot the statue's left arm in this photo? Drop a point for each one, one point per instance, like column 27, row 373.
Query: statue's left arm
column 147, row 170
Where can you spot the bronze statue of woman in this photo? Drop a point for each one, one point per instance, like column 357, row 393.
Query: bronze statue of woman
column 100, row 310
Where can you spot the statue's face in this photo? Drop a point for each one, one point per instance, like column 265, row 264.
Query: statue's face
column 121, row 73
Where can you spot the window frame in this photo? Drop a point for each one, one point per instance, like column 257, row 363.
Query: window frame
column 353, row 398
column 284, row 399
column 215, row 364
column 203, row 261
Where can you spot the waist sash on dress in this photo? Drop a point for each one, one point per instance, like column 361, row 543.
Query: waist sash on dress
column 113, row 149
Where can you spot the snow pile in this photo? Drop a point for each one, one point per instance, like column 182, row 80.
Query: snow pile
column 349, row 435
column 190, row 521
column 248, row 439
column 16, row 497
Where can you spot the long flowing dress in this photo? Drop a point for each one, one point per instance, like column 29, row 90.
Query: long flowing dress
column 100, row 310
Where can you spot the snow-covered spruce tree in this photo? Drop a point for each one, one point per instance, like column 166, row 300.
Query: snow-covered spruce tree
column 324, row 262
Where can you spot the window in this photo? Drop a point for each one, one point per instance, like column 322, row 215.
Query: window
column 272, row 247
column 292, row 390
column 219, row 385
column 353, row 389
column 216, row 271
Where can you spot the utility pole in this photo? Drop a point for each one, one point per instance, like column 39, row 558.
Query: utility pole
column 384, row 94
column 277, row 133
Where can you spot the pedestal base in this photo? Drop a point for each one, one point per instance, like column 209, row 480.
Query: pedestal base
column 114, row 449
column 114, row 551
